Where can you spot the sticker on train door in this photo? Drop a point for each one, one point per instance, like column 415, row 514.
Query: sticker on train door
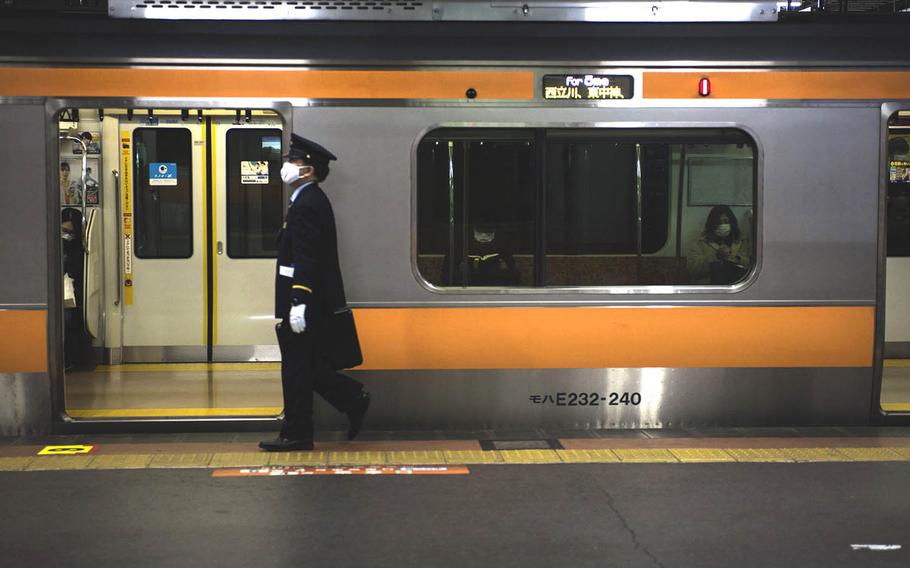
column 254, row 172
column 163, row 174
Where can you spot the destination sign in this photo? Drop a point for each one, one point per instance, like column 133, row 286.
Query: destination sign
column 584, row 87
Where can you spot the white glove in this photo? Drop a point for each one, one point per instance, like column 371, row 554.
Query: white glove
column 297, row 319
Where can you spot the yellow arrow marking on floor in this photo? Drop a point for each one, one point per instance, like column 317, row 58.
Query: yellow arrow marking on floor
column 65, row 450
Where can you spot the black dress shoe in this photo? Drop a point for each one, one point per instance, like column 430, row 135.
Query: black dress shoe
column 356, row 413
column 285, row 445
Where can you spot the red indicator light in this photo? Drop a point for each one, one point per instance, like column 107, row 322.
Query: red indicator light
column 704, row 86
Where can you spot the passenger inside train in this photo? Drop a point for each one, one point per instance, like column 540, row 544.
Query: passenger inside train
column 721, row 254
column 488, row 261
column 75, row 340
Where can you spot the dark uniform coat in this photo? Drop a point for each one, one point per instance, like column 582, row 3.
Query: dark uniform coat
column 308, row 259
column 308, row 272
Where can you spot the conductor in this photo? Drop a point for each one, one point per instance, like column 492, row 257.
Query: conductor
column 309, row 296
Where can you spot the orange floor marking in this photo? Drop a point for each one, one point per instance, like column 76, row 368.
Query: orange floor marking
column 357, row 470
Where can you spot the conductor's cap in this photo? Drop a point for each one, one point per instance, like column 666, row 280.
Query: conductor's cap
column 303, row 149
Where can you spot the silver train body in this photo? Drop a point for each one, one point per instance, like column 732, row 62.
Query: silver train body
column 801, row 337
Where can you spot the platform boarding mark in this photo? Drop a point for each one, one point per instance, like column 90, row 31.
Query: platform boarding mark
column 66, row 450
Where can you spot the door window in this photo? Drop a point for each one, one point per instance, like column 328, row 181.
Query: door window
column 163, row 192
column 255, row 206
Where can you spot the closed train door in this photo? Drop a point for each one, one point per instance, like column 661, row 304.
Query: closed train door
column 201, row 208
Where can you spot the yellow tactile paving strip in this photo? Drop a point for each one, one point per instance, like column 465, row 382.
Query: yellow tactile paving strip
column 216, row 460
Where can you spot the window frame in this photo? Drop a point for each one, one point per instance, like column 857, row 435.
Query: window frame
column 618, row 290
column 227, row 197
column 134, row 189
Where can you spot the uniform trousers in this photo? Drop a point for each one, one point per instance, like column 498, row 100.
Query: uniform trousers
column 304, row 369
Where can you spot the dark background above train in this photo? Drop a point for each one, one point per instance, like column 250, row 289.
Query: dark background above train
column 81, row 32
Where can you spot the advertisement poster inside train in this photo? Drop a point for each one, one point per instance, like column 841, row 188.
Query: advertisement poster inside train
column 899, row 159
column 254, row 172
column 91, row 139
column 72, row 188
column 899, row 171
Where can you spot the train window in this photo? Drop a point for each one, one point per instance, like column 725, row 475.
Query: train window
column 162, row 193
column 477, row 209
column 585, row 207
column 255, row 205
column 607, row 207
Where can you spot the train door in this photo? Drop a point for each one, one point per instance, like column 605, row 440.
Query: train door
column 248, row 210
column 164, row 241
column 200, row 227
column 896, row 374
column 182, row 211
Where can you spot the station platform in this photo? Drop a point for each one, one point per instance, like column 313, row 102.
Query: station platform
column 627, row 498
column 240, row 450
column 749, row 497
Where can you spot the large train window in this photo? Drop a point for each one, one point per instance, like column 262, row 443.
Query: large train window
column 254, row 193
column 585, row 207
column 163, row 192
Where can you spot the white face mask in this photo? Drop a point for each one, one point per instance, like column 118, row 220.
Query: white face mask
column 483, row 237
column 722, row 230
column 68, row 236
column 290, row 172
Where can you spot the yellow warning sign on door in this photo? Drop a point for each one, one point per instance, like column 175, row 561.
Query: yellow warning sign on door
column 65, row 450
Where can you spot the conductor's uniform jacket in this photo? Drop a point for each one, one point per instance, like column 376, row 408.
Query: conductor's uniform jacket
column 308, row 259
column 308, row 270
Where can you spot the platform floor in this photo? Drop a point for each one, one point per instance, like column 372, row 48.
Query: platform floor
column 254, row 389
column 825, row 497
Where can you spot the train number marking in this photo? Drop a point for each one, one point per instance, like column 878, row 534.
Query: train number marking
column 625, row 399
column 587, row 399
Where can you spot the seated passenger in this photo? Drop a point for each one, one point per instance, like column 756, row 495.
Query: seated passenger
column 486, row 264
column 721, row 255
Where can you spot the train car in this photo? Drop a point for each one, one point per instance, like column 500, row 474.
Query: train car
column 550, row 214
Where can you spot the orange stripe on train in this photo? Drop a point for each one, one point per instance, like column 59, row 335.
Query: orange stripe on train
column 584, row 337
column 264, row 83
column 604, row 337
column 23, row 341
column 778, row 84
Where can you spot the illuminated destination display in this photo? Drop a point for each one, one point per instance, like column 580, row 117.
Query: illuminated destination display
column 583, row 87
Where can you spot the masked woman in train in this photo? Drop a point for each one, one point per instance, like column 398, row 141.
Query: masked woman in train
column 721, row 254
